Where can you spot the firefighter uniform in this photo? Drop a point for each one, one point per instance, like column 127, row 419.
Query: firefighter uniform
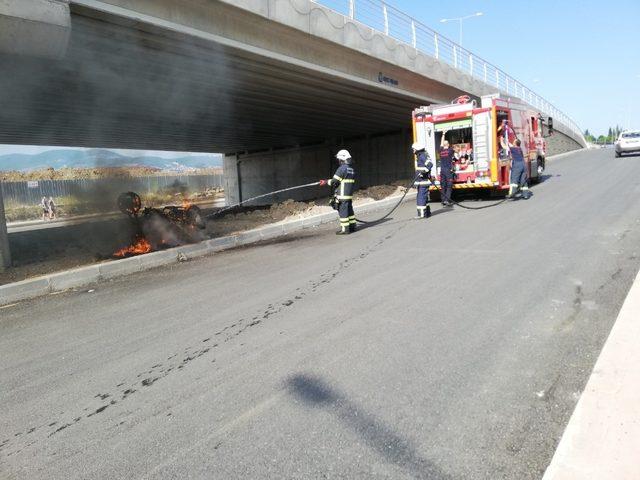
column 423, row 172
column 343, row 182
column 446, row 174
column 519, row 180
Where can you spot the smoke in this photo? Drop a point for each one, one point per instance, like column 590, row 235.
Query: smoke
column 120, row 87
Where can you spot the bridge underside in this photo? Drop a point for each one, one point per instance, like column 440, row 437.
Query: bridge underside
column 124, row 87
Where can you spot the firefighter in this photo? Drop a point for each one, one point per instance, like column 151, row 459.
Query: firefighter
column 446, row 170
column 423, row 175
column 505, row 137
column 343, row 182
column 519, row 180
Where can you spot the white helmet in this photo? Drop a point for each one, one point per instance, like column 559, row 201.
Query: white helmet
column 418, row 146
column 343, row 155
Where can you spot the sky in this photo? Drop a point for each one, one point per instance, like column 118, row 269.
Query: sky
column 582, row 56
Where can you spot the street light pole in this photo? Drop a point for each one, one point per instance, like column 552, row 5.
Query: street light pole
column 459, row 20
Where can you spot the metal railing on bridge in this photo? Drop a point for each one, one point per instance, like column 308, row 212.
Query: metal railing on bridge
column 386, row 19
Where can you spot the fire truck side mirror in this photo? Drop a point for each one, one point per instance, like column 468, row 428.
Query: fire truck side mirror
column 550, row 124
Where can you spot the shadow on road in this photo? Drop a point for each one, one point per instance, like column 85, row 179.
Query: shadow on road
column 545, row 177
column 315, row 392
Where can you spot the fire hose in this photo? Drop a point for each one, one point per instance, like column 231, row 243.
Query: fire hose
column 439, row 188
column 365, row 222
column 407, row 188
column 298, row 187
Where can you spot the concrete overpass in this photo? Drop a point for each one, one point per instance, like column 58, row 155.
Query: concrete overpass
column 277, row 85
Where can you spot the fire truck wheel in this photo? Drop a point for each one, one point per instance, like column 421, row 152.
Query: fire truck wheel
column 194, row 217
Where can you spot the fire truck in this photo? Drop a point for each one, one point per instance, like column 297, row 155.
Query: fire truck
column 481, row 137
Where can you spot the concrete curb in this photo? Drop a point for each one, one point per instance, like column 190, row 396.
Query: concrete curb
column 602, row 438
column 91, row 274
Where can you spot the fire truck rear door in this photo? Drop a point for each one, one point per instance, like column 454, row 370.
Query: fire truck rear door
column 482, row 141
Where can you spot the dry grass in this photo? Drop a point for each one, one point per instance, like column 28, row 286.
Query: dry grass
column 92, row 173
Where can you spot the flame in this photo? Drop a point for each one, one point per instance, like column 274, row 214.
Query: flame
column 140, row 247
column 186, row 203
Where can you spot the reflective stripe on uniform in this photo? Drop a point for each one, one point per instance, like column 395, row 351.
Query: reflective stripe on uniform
column 338, row 178
column 422, row 169
column 341, row 195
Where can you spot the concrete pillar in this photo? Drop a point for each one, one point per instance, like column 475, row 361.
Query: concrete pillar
column 5, row 254
column 38, row 28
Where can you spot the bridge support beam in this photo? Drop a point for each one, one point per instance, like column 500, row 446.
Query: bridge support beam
column 379, row 159
column 5, row 253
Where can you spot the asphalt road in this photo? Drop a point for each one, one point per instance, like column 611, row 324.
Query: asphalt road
column 452, row 348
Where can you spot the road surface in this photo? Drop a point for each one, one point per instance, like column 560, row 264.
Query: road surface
column 452, row 348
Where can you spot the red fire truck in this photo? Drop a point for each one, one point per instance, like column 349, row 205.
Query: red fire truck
column 481, row 138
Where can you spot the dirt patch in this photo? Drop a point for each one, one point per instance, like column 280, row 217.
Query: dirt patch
column 292, row 210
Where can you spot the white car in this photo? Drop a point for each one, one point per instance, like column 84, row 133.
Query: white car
column 628, row 142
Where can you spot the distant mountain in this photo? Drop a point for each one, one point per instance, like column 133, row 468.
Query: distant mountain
column 78, row 158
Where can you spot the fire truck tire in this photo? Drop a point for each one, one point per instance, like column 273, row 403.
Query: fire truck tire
column 539, row 170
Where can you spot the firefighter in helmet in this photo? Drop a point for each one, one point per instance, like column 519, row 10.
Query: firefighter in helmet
column 519, row 178
column 423, row 175
column 343, row 182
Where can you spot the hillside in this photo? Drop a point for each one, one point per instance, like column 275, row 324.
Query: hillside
column 101, row 158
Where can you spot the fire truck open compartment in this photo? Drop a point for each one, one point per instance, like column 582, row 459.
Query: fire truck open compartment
column 460, row 137
column 474, row 131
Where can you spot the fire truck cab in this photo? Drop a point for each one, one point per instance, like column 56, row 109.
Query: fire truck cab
column 482, row 139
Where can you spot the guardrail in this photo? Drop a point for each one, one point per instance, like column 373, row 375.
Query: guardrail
column 386, row 19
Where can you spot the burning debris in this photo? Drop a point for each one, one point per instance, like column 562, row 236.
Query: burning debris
column 158, row 228
column 140, row 247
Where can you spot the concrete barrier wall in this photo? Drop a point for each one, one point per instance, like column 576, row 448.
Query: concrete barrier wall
column 378, row 159
column 560, row 142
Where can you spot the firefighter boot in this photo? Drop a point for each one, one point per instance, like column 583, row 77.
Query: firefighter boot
column 344, row 230
column 428, row 211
